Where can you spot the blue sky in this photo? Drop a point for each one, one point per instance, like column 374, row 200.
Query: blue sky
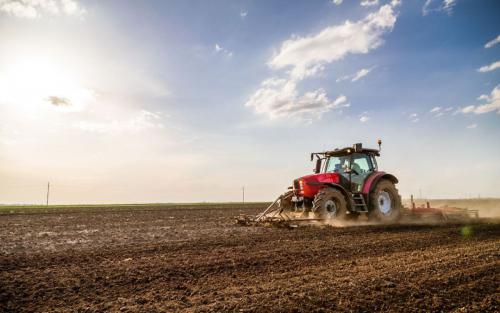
column 162, row 101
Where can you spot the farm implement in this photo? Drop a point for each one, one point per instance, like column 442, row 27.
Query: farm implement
column 345, row 186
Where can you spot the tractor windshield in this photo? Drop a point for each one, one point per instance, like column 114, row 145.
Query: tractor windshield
column 361, row 163
column 337, row 164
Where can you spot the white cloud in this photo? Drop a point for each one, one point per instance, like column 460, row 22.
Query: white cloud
column 472, row 126
column 307, row 56
column 438, row 6
column 369, row 3
column 492, row 103
column 483, row 97
column 38, row 8
column 414, row 118
column 337, row 2
column 435, row 110
column 280, row 98
column 141, row 121
column 219, row 49
column 491, row 43
column 488, row 68
column 364, row 118
column 243, row 14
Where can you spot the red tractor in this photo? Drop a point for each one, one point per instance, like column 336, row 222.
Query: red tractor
column 346, row 184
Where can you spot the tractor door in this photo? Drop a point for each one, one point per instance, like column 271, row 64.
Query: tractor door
column 361, row 167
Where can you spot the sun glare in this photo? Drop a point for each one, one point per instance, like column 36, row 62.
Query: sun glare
column 34, row 84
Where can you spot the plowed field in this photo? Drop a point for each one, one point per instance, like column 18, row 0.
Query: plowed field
column 195, row 259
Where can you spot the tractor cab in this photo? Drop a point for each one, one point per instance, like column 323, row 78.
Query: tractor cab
column 353, row 165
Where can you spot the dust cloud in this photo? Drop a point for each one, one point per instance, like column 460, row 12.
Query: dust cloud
column 487, row 207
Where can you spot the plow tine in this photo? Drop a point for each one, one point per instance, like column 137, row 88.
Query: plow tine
column 268, row 210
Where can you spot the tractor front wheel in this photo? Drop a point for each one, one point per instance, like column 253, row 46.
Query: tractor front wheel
column 385, row 202
column 329, row 203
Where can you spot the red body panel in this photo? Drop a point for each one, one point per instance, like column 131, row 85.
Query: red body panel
column 308, row 187
column 370, row 180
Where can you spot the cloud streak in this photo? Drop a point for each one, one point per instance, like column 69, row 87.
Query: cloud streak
column 356, row 76
column 414, row 118
column 492, row 103
column 492, row 43
column 438, row 6
column 221, row 50
column 141, row 121
column 489, row 68
column 369, row 3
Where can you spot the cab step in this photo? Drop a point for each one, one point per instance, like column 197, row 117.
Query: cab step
column 359, row 203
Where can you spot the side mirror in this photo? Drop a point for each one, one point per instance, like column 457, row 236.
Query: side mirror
column 317, row 168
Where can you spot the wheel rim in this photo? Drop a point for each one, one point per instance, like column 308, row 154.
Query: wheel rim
column 330, row 208
column 385, row 202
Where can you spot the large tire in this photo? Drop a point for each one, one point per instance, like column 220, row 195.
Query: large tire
column 385, row 202
column 329, row 203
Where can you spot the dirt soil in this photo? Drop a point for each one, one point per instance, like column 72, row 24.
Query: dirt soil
column 172, row 259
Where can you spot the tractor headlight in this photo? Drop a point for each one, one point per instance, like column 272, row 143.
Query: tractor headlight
column 301, row 184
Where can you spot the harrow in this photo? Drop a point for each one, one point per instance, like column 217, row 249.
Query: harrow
column 276, row 215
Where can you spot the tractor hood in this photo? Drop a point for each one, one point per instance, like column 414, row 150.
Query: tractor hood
column 307, row 186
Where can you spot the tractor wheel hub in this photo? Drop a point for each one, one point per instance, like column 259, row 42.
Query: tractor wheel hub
column 384, row 202
column 331, row 208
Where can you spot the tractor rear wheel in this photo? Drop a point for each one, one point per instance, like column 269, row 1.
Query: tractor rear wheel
column 329, row 203
column 385, row 202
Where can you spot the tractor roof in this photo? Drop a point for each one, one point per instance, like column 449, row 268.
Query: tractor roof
column 356, row 148
column 350, row 150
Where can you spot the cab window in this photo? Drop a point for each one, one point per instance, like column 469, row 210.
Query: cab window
column 337, row 164
column 361, row 163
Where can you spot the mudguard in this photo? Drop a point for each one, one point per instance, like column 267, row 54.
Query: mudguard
column 339, row 187
column 372, row 180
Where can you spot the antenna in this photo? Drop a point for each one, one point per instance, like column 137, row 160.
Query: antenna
column 243, row 191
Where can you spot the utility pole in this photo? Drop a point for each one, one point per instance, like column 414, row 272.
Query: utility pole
column 243, row 190
column 48, row 191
